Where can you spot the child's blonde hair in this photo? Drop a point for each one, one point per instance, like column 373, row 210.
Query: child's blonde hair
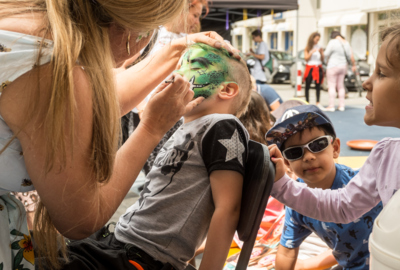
column 80, row 31
column 257, row 119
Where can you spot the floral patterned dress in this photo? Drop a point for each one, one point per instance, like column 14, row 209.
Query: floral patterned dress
column 18, row 54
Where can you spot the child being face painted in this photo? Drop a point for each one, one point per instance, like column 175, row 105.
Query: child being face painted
column 206, row 69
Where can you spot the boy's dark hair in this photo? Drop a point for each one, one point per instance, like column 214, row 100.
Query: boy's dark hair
column 325, row 128
column 256, row 33
column 335, row 34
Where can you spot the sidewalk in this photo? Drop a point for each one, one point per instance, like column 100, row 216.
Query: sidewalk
column 287, row 92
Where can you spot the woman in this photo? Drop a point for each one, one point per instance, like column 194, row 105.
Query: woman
column 314, row 56
column 338, row 53
column 60, row 107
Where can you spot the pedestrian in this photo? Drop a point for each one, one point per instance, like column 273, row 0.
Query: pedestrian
column 60, row 107
column 314, row 56
column 378, row 180
column 338, row 55
column 261, row 55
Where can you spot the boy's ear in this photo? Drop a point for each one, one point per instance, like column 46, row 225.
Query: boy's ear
column 336, row 148
column 228, row 90
column 287, row 163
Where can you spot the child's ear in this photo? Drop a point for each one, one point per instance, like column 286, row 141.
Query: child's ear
column 228, row 90
column 287, row 163
column 336, row 148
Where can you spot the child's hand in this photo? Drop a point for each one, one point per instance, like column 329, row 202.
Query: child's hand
column 277, row 159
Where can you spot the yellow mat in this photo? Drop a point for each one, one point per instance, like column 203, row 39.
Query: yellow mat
column 352, row 162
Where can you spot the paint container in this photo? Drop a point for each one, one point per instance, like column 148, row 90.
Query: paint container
column 384, row 242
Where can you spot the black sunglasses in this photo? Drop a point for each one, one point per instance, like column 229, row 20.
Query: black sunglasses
column 315, row 146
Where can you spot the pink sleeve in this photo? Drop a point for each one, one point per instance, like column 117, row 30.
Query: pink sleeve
column 342, row 205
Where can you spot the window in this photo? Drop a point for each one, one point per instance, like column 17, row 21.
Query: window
column 239, row 42
column 289, row 42
column 273, row 41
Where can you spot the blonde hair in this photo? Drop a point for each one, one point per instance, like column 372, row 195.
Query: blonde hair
column 240, row 74
column 257, row 119
column 80, row 34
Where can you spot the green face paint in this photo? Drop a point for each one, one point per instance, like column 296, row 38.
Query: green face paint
column 204, row 69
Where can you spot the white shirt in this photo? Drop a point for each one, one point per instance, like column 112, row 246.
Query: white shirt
column 315, row 59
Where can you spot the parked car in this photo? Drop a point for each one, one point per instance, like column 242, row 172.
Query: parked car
column 277, row 69
column 352, row 80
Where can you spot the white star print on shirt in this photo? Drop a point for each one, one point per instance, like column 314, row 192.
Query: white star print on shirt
column 234, row 146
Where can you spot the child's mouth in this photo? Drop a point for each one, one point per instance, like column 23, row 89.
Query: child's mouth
column 370, row 105
column 312, row 170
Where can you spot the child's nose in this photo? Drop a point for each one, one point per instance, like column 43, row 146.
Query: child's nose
column 308, row 155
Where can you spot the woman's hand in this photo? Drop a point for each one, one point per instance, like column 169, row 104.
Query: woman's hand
column 210, row 38
column 277, row 159
column 167, row 105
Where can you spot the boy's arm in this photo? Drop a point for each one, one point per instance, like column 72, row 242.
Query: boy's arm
column 319, row 262
column 226, row 187
column 286, row 258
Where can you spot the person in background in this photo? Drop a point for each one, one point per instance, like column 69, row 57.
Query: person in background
column 338, row 55
column 269, row 94
column 261, row 55
column 314, row 56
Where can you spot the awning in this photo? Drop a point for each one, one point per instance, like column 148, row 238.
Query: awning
column 237, row 31
column 256, row 4
column 269, row 28
column 354, row 19
column 327, row 21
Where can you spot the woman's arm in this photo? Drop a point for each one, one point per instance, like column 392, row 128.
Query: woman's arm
column 307, row 54
column 77, row 204
column 132, row 88
column 226, row 189
column 328, row 50
column 321, row 51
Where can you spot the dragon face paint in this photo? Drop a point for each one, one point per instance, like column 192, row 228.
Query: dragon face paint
column 205, row 70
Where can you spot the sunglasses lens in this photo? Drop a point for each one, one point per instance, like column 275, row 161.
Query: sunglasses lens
column 319, row 145
column 294, row 153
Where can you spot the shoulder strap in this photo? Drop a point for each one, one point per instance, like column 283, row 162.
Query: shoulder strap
column 345, row 54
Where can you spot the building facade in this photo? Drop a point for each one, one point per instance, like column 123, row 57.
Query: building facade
column 359, row 21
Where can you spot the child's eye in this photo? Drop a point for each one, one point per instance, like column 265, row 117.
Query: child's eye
column 381, row 75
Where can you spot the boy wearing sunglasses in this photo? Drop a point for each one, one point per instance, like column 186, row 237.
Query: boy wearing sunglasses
column 309, row 145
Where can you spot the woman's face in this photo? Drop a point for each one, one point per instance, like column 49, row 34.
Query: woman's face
column 193, row 19
column 119, row 43
column 316, row 39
